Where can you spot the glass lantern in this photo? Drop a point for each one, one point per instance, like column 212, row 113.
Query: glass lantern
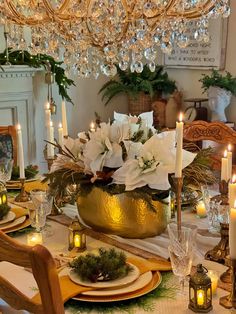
column 77, row 236
column 3, row 194
column 200, row 291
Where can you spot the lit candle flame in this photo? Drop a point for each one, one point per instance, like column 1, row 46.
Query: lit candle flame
column 225, row 153
column 92, row 125
column 60, row 125
column 51, row 123
column 47, row 106
column 18, row 127
column 229, row 148
column 235, row 204
column 180, row 117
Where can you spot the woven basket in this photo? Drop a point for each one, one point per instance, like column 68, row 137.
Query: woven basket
column 140, row 104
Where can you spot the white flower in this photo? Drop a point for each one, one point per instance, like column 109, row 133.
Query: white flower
column 156, row 160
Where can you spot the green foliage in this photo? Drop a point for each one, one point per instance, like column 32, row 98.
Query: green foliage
column 30, row 172
column 132, row 84
column 108, row 265
column 4, row 210
column 216, row 79
column 19, row 57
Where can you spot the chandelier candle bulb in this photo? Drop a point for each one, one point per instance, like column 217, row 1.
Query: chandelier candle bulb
column 179, row 147
column 201, row 210
column 64, row 118
column 232, row 191
column 60, row 134
column 21, row 162
column 232, row 232
column 224, row 167
column 229, row 157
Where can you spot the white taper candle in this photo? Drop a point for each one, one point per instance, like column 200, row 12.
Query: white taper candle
column 64, row 118
column 224, row 167
column 21, row 162
column 179, row 147
column 60, row 134
column 232, row 232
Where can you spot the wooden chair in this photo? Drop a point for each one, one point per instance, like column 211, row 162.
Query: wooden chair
column 212, row 131
column 44, row 270
column 11, row 130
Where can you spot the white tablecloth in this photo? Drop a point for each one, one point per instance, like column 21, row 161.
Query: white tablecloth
column 58, row 243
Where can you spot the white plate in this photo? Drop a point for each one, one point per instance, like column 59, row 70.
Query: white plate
column 16, row 222
column 9, row 217
column 141, row 282
column 131, row 277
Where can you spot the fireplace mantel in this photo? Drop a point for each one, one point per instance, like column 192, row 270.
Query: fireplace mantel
column 16, row 71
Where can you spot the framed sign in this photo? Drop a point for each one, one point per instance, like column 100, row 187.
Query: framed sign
column 199, row 54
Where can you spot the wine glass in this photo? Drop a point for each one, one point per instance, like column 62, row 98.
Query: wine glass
column 6, row 165
column 42, row 202
column 181, row 249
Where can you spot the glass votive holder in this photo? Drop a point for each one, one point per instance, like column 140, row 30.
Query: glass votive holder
column 34, row 238
column 214, row 280
column 201, row 209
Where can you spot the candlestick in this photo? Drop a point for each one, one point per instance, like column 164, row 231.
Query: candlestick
column 179, row 147
column 201, row 210
column 50, row 147
column 232, row 192
column 23, row 196
column 230, row 301
column 21, row 161
column 232, row 232
column 224, row 167
column 60, row 134
column 34, row 238
column 229, row 157
column 64, row 118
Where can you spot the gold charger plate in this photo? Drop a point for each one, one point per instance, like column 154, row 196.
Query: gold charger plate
column 154, row 283
column 25, row 224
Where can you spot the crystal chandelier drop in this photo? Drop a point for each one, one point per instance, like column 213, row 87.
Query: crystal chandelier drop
column 98, row 34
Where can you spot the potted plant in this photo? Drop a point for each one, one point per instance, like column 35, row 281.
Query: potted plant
column 141, row 88
column 220, row 89
column 120, row 175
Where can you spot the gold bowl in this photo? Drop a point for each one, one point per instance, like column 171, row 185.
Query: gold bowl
column 122, row 214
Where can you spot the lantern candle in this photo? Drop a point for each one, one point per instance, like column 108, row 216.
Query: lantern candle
column 77, row 237
column 34, row 238
column 21, row 161
column 229, row 157
column 224, row 167
column 179, row 147
column 201, row 210
column 92, row 127
column 232, row 232
column 200, row 297
column 60, row 134
column 77, row 240
column 64, row 118
column 232, row 191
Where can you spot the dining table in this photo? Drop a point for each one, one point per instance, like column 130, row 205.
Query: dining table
column 57, row 243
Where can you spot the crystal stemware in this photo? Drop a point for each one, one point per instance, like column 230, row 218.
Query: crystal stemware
column 181, row 249
column 6, row 165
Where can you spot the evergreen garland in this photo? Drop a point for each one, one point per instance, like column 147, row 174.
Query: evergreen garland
column 20, row 57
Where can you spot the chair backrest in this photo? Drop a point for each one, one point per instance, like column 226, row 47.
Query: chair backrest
column 7, row 132
column 212, row 131
column 44, row 270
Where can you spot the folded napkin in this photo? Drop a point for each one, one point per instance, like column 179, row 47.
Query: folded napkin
column 69, row 289
column 19, row 211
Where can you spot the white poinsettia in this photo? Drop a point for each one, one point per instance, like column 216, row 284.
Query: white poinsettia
column 104, row 149
column 154, row 162
column 75, row 146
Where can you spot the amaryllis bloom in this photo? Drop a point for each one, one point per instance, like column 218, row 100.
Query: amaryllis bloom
column 153, row 163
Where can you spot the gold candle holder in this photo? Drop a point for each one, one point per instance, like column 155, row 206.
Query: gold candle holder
column 178, row 182
column 229, row 301
column 23, row 196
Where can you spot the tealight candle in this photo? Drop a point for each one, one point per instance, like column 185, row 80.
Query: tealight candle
column 214, row 280
column 34, row 238
column 201, row 209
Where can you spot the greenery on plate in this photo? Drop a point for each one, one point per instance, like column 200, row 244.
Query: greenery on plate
column 30, row 172
column 4, row 210
column 107, row 265
column 146, row 303
column 216, row 79
column 132, row 84
column 19, row 57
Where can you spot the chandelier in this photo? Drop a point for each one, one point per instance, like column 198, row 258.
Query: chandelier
column 96, row 35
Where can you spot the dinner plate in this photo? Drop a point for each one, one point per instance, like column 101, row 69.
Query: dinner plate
column 139, row 283
column 23, row 225
column 14, row 223
column 152, row 285
column 9, row 217
column 132, row 276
